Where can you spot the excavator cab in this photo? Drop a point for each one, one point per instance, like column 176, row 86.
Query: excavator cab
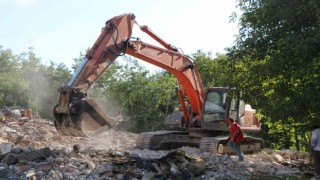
column 220, row 103
column 215, row 106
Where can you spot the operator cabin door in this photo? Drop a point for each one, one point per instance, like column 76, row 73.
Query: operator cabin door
column 236, row 107
column 215, row 109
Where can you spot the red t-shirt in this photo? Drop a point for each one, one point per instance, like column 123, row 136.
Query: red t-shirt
column 239, row 138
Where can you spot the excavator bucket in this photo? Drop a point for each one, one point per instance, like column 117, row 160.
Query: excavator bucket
column 85, row 118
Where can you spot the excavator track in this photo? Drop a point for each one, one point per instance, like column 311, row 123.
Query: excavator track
column 165, row 140
column 219, row 145
column 211, row 144
column 143, row 140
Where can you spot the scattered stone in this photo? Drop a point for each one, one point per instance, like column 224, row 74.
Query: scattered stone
column 196, row 168
column 6, row 148
column 2, row 117
column 34, row 150
column 278, row 158
column 76, row 148
column 31, row 173
column 26, row 149
column 91, row 165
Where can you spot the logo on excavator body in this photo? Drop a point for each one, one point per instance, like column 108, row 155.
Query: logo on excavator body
column 151, row 53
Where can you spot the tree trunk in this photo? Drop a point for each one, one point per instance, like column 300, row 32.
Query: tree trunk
column 287, row 137
column 296, row 138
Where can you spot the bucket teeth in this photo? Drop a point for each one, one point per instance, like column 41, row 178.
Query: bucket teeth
column 84, row 119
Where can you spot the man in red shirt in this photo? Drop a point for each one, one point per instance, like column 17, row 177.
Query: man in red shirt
column 236, row 137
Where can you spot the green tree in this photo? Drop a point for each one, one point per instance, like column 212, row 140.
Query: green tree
column 213, row 71
column 126, row 87
column 12, row 87
column 142, row 98
column 43, row 82
column 54, row 76
column 26, row 82
column 277, row 63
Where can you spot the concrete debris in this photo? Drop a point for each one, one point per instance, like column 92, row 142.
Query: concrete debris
column 2, row 117
column 15, row 113
column 278, row 158
column 6, row 148
column 35, row 150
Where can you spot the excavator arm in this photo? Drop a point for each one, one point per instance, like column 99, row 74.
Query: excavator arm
column 76, row 115
column 176, row 63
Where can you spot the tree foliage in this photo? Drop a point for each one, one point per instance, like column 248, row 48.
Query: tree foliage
column 276, row 58
column 141, row 97
column 213, row 71
column 12, row 88
column 26, row 82
column 126, row 87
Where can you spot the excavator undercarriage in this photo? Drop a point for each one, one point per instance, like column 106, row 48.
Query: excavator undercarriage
column 167, row 140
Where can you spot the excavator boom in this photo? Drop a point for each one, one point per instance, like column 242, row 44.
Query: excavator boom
column 76, row 115
column 175, row 63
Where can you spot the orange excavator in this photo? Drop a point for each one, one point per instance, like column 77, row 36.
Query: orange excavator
column 202, row 116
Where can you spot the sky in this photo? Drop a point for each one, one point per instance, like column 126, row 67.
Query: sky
column 58, row 30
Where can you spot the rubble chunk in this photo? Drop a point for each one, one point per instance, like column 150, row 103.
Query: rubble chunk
column 6, row 148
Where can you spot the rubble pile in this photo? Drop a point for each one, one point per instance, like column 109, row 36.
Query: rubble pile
column 34, row 150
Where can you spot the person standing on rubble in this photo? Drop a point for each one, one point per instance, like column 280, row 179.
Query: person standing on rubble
column 315, row 147
column 236, row 137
